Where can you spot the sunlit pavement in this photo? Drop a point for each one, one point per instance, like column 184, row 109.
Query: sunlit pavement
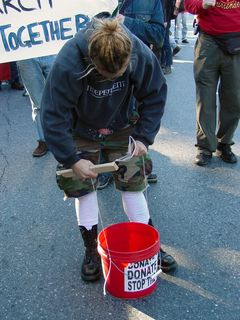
column 195, row 209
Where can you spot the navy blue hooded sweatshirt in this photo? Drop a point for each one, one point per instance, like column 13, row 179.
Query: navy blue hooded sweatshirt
column 76, row 102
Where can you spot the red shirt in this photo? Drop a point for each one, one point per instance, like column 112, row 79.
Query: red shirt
column 223, row 18
column 5, row 71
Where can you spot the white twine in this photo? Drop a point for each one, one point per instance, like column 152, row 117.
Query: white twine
column 130, row 153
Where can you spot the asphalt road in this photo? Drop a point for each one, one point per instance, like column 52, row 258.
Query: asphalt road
column 195, row 209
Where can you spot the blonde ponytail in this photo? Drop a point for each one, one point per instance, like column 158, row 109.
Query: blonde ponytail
column 109, row 45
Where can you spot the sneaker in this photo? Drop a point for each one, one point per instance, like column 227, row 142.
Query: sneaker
column 167, row 70
column 185, row 41
column 17, row 85
column 152, row 178
column 203, row 157
column 41, row 149
column 176, row 50
column 166, row 262
column 104, row 180
column 224, row 152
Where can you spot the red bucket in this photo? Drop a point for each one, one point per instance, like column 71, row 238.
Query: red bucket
column 129, row 255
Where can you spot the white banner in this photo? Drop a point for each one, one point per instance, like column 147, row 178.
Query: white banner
column 35, row 28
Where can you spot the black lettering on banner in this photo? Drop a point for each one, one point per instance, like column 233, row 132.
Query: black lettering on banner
column 20, row 6
column 7, row 4
column 24, row 8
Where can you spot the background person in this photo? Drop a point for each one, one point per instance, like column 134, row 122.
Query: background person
column 15, row 79
column 9, row 73
column 34, row 73
column 86, row 106
column 216, row 67
column 164, row 52
column 5, row 73
column 181, row 24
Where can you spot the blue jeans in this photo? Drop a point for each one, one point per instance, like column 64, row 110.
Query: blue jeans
column 181, row 20
column 166, row 57
column 34, row 73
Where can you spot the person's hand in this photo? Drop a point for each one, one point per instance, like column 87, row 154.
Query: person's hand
column 82, row 169
column 208, row 4
column 140, row 149
column 120, row 18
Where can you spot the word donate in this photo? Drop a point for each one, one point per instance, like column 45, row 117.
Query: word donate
column 139, row 275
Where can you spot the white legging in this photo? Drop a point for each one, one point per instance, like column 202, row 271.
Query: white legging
column 134, row 205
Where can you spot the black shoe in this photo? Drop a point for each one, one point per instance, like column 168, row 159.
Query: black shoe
column 152, row 178
column 166, row 262
column 17, row 86
column 91, row 267
column 224, row 152
column 176, row 50
column 202, row 159
column 185, row 41
column 104, row 180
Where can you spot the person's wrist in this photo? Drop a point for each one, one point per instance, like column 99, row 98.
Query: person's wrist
column 76, row 165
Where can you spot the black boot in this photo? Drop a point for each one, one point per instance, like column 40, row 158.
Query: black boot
column 91, row 266
column 224, row 152
column 165, row 261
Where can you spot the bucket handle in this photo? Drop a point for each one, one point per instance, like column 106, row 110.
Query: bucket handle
column 109, row 270
column 156, row 274
column 106, row 278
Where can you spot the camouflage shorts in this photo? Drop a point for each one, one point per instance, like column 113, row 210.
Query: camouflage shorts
column 131, row 175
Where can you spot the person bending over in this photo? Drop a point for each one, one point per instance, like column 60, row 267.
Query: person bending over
column 87, row 106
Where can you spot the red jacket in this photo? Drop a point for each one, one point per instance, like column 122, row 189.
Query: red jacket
column 221, row 19
column 5, row 73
